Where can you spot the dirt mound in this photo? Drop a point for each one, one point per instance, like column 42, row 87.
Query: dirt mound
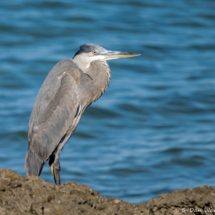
column 20, row 195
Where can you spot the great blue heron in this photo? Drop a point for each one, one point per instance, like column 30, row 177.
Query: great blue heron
column 70, row 87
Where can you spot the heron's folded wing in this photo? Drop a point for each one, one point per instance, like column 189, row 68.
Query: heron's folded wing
column 55, row 109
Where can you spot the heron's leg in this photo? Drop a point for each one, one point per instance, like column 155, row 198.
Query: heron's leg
column 55, row 167
column 54, row 162
column 51, row 161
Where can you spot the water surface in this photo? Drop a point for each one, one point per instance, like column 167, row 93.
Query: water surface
column 153, row 131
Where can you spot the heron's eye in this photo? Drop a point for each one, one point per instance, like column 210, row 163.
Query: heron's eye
column 94, row 52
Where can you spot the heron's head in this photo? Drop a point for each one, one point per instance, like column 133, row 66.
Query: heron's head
column 91, row 52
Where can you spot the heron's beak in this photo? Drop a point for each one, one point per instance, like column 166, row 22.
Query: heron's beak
column 110, row 55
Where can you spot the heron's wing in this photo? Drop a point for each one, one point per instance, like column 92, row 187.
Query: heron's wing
column 55, row 110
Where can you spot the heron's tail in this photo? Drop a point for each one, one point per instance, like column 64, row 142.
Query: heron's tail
column 33, row 165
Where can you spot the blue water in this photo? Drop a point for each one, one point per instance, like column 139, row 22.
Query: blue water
column 153, row 131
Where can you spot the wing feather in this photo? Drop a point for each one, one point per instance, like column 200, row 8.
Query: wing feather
column 55, row 109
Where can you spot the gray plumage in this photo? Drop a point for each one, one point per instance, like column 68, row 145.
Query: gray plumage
column 70, row 87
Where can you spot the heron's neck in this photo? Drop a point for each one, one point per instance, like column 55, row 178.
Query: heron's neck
column 82, row 64
column 99, row 72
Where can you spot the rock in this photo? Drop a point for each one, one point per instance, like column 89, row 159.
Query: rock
column 32, row 195
column 15, row 184
column 2, row 188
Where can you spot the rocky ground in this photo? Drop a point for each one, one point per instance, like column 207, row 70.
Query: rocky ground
column 20, row 195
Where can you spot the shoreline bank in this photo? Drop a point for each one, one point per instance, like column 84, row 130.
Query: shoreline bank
column 21, row 195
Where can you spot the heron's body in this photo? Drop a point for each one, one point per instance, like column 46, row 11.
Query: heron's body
column 70, row 87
